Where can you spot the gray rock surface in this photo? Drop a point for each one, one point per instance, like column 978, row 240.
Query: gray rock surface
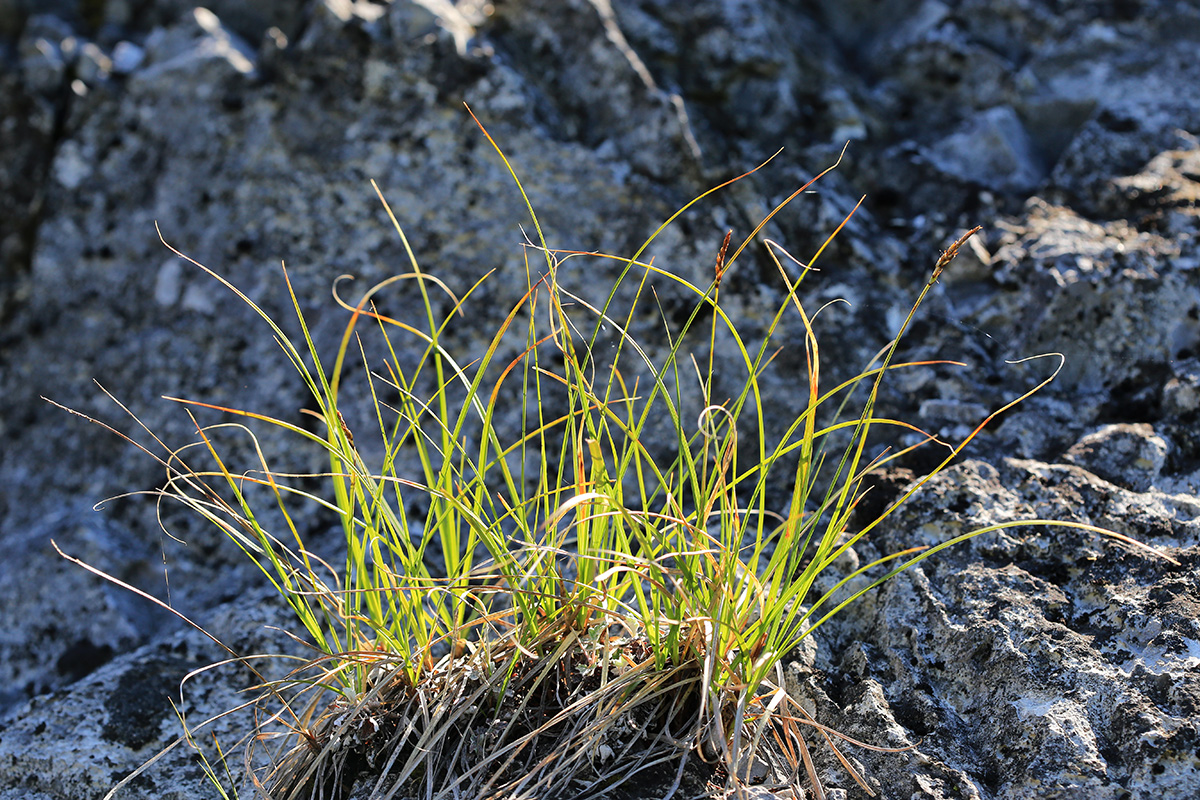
column 1028, row 663
column 1044, row 664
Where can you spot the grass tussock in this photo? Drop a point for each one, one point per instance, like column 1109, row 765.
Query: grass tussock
column 568, row 612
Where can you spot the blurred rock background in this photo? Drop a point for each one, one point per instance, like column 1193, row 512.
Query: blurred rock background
column 1027, row 666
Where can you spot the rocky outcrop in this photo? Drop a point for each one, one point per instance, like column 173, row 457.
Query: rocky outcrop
column 1031, row 663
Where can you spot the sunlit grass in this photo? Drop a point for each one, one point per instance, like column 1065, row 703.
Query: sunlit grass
column 597, row 609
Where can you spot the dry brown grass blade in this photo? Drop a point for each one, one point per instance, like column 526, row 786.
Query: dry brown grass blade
column 564, row 727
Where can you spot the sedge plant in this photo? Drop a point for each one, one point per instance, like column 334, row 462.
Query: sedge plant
column 570, row 609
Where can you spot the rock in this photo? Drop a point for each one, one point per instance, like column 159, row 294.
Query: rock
column 79, row 742
column 1181, row 395
column 44, row 60
column 1018, row 663
column 93, row 65
column 248, row 19
column 127, row 57
column 1167, row 189
column 29, row 115
column 201, row 40
column 1021, row 666
column 1130, row 455
column 70, row 624
column 992, row 149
